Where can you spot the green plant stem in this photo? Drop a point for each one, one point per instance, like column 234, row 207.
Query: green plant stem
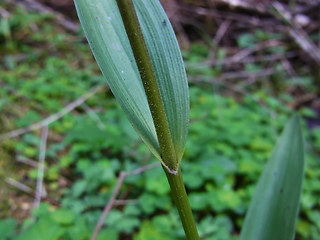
column 180, row 198
column 169, row 159
column 140, row 52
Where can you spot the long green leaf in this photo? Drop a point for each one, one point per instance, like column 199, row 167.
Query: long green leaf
column 274, row 208
column 109, row 43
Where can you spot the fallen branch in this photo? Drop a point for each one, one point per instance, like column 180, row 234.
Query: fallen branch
column 19, row 185
column 296, row 33
column 42, row 155
column 27, row 161
column 4, row 13
column 121, row 202
column 94, row 116
column 47, row 121
column 37, row 6
column 232, row 60
column 115, row 193
column 239, row 56
column 235, row 75
column 221, row 31
column 307, row 46
column 258, row 6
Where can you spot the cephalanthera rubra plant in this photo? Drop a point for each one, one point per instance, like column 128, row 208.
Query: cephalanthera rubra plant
column 136, row 49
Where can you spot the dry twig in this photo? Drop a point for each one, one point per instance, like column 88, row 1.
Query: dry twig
column 19, row 185
column 235, row 75
column 222, row 31
column 241, row 57
column 297, row 34
column 257, row 7
column 124, row 202
column 37, row 6
column 27, row 161
column 94, row 116
column 54, row 117
column 42, row 155
column 113, row 201
column 4, row 13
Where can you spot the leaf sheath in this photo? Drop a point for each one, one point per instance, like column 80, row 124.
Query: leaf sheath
column 149, row 81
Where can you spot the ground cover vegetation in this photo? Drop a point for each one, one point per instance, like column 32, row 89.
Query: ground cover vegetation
column 44, row 67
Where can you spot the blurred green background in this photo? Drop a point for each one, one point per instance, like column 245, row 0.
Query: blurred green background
column 247, row 73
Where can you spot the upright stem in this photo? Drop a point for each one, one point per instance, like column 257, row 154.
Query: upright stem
column 149, row 81
column 169, row 158
column 180, row 198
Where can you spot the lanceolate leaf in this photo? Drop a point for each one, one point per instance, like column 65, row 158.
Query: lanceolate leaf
column 109, row 43
column 274, row 208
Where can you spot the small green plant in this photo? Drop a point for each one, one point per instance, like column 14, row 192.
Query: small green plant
column 135, row 47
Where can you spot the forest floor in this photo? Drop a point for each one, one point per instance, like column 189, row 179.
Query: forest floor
column 246, row 78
